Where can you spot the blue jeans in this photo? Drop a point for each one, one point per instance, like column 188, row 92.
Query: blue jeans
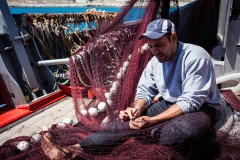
column 186, row 128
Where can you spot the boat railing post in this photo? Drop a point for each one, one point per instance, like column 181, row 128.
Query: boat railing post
column 25, row 73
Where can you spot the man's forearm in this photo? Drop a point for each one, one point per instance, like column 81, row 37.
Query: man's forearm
column 140, row 104
column 172, row 112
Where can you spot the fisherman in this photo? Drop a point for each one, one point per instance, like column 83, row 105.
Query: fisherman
column 183, row 75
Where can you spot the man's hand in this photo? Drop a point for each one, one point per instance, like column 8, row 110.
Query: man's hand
column 141, row 122
column 129, row 114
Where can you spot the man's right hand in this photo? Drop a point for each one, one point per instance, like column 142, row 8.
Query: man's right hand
column 129, row 114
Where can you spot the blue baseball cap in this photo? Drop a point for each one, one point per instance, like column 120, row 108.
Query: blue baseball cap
column 158, row 28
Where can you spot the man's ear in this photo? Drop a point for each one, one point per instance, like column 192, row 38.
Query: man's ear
column 174, row 37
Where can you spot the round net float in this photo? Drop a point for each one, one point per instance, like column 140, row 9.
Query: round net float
column 125, row 64
column 119, row 75
column 36, row 138
column 61, row 125
column 23, row 146
column 144, row 48
column 121, row 70
column 68, row 121
column 109, row 102
column 115, row 84
column 107, row 95
column 93, row 111
column 102, row 106
column 113, row 89
column 84, row 112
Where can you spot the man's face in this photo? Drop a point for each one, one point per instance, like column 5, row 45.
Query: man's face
column 163, row 49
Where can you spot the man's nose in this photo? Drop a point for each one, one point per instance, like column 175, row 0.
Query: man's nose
column 154, row 50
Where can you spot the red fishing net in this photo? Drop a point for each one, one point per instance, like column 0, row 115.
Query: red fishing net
column 110, row 65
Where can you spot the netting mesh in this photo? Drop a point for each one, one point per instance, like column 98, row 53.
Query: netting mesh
column 110, row 65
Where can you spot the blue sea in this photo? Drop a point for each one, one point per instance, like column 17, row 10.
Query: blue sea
column 20, row 10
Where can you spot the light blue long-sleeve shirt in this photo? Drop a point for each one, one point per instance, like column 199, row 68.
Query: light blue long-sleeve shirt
column 187, row 80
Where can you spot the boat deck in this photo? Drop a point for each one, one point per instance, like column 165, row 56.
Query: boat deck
column 34, row 122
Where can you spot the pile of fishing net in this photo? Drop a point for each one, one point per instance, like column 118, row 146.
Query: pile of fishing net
column 110, row 66
column 141, row 146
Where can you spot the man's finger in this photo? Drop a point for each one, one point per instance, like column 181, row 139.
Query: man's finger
column 120, row 116
column 133, row 125
column 123, row 116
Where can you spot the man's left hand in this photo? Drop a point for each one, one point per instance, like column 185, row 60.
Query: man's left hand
column 141, row 122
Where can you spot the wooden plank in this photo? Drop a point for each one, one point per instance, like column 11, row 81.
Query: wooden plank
column 70, row 114
column 18, row 130
column 35, row 117
column 52, row 115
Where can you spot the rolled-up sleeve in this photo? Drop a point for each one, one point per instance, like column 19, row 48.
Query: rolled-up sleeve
column 147, row 88
column 196, row 85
